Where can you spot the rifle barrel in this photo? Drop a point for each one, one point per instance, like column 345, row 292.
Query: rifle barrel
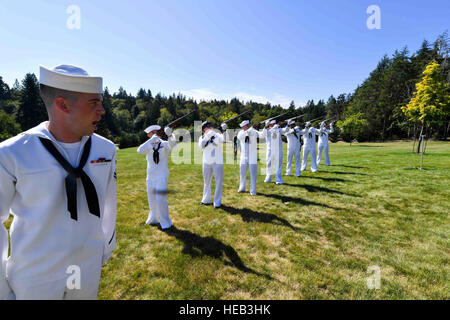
column 180, row 118
column 274, row 117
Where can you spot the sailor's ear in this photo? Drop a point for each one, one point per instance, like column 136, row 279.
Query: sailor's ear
column 61, row 104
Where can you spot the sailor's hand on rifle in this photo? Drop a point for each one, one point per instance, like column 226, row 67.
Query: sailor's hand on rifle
column 223, row 126
column 168, row 131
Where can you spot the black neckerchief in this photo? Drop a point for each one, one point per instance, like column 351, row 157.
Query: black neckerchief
column 156, row 153
column 71, row 179
column 210, row 141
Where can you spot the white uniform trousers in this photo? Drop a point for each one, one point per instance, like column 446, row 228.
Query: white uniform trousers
column 253, row 175
column 58, row 289
column 306, row 152
column 277, row 163
column 157, row 200
column 296, row 154
column 325, row 151
column 208, row 171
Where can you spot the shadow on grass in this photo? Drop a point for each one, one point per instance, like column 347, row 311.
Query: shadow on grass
column 320, row 189
column 197, row 246
column 295, row 200
column 342, row 172
column 347, row 166
column 254, row 216
column 366, row 146
column 328, row 179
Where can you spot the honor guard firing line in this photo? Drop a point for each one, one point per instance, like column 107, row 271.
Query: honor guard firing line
column 211, row 143
column 58, row 181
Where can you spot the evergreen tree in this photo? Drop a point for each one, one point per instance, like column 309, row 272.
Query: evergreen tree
column 31, row 110
column 141, row 94
column 292, row 107
column 107, row 127
column 5, row 92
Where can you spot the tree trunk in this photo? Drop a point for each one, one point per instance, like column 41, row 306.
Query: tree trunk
column 414, row 133
column 420, row 140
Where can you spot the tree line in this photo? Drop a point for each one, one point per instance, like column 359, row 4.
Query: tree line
column 388, row 105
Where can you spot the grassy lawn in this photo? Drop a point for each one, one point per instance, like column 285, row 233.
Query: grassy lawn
column 312, row 238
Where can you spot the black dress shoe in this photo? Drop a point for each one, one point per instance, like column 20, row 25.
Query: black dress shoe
column 217, row 207
column 205, row 204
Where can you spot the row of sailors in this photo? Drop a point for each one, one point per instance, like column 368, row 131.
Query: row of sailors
column 157, row 153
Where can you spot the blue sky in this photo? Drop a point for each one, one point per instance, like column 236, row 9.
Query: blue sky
column 262, row 50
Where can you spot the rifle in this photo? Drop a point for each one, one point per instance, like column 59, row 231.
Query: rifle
column 273, row 117
column 229, row 120
column 287, row 120
column 264, row 121
column 311, row 121
column 175, row 122
column 334, row 118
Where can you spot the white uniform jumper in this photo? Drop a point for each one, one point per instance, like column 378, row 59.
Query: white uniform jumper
column 46, row 239
column 274, row 155
column 157, row 153
column 211, row 145
column 309, row 146
column 294, row 146
column 249, row 158
column 323, row 144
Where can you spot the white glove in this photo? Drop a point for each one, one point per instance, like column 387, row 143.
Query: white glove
column 209, row 134
column 296, row 128
column 154, row 139
column 168, row 131
column 223, row 126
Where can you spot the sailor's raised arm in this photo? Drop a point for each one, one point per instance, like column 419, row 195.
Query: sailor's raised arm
column 204, row 139
column 145, row 147
column 261, row 134
column 110, row 212
column 223, row 132
column 284, row 130
column 7, row 191
column 171, row 139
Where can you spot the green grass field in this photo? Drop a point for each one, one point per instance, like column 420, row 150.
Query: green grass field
column 312, row 238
